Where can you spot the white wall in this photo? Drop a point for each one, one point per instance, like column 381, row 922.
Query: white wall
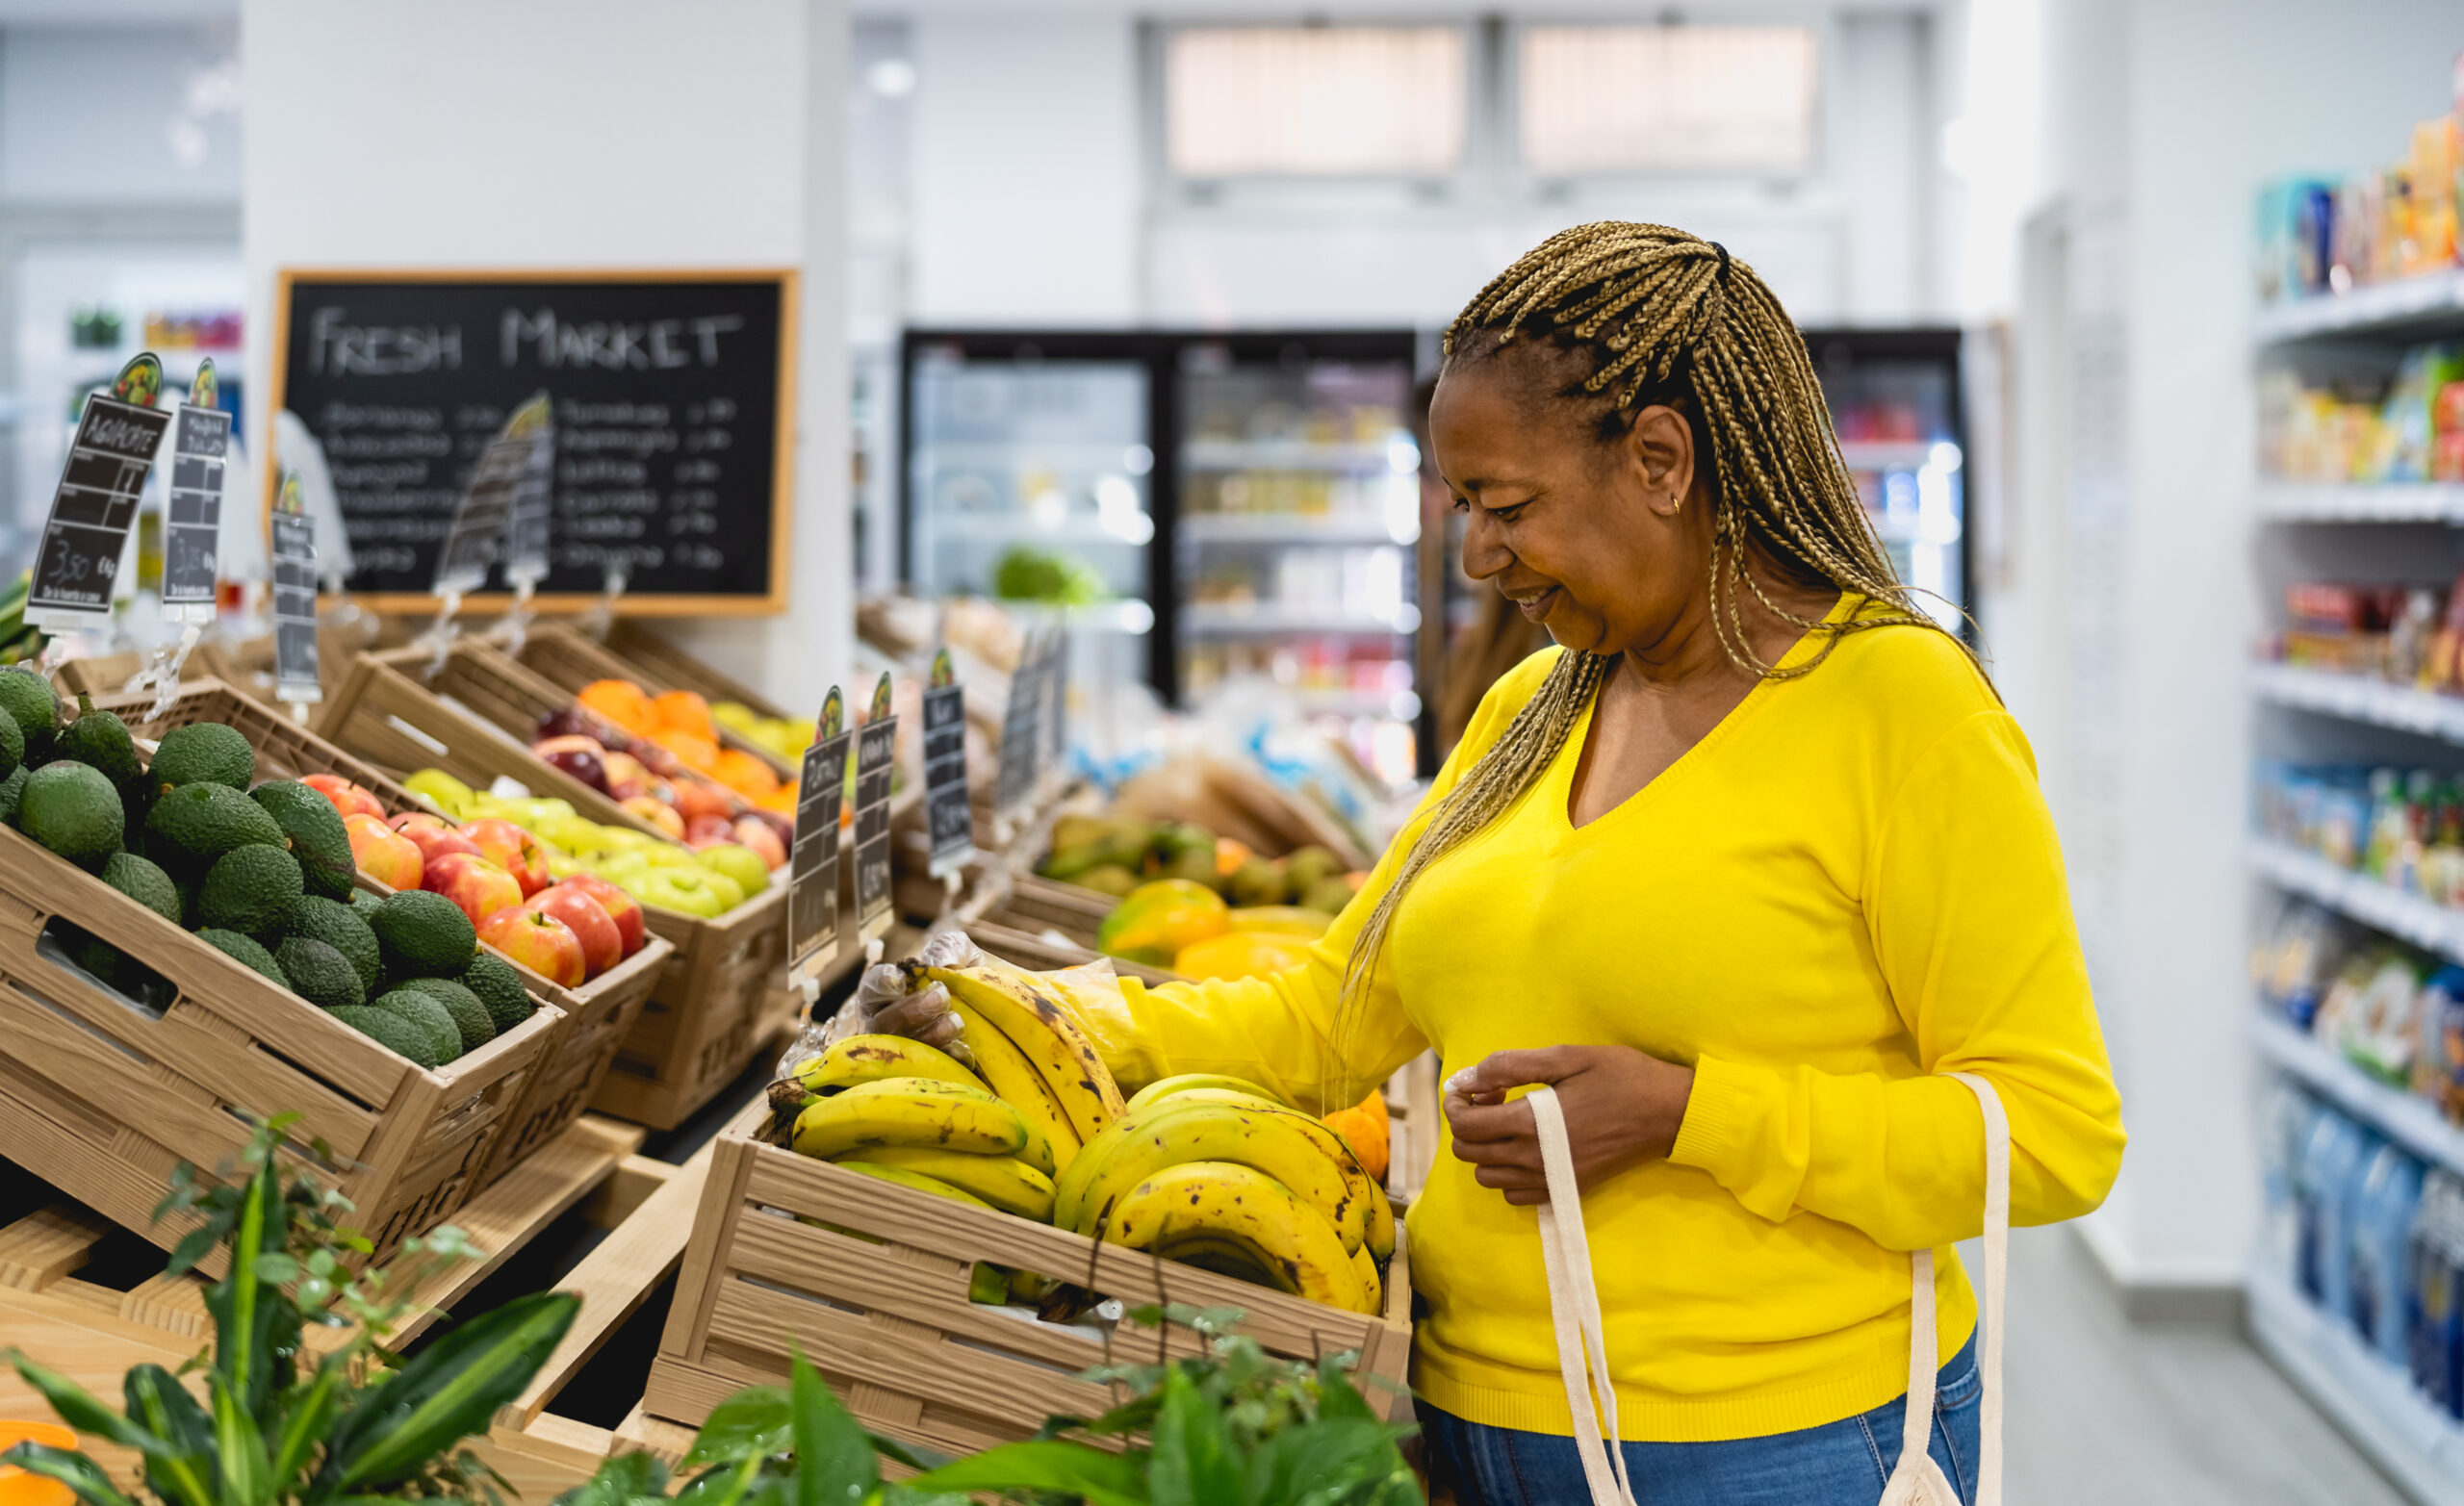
column 572, row 132
column 118, row 115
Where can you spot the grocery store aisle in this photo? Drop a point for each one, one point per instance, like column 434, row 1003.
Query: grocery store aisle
column 2120, row 1413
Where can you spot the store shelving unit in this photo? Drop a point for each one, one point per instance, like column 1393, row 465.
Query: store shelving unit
column 2412, row 1441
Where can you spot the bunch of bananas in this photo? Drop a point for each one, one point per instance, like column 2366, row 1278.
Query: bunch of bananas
column 1208, row 1170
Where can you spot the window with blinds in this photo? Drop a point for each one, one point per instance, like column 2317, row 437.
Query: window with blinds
column 1622, row 100
column 1318, row 101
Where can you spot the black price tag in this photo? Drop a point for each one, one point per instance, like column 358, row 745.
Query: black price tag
column 1056, row 703
column 97, row 503
column 947, row 815
column 1021, row 735
column 876, row 746
column 812, row 869
column 483, row 523
column 525, row 535
column 295, row 600
column 200, row 441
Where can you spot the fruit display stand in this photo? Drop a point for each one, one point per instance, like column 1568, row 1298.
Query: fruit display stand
column 569, row 658
column 719, row 1002
column 598, row 1014
column 869, row 1279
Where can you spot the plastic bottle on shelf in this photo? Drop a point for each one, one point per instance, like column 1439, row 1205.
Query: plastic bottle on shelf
column 2332, row 1154
column 2383, row 1203
column 2433, row 1315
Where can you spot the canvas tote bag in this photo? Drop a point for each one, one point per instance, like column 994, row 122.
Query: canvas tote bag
column 1574, row 1305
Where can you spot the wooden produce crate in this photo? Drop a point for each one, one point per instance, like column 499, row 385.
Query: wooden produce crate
column 890, row 1323
column 598, row 1014
column 570, row 659
column 719, row 1001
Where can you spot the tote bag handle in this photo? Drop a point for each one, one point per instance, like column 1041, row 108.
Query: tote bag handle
column 1573, row 1307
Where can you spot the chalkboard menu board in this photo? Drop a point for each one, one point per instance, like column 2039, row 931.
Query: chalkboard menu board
column 670, row 403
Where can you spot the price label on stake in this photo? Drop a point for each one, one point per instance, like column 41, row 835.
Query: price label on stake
column 526, row 529
column 1056, row 702
column 192, row 534
column 295, row 600
column 947, row 815
column 812, row 867
column 478, row 536
column 876, row 745
column 95, row 504
column 1021, row 735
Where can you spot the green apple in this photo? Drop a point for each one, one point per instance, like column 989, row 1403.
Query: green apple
column 666, row 854
column 738, row 862
column 672, row 889
column 561, row 866
column 618, row 838
column 623, row 866
column 442, row 790
column 730, row 892
column 570, row 833
column 547, row 808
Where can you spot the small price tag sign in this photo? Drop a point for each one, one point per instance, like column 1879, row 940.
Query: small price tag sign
column 947, row 815
column 200, row 443
column 483, row 523
column 876, row 746
column 1056, row 703
column 96, row 503
column 294, row 599
column 812, row 867
column 1021, row 735
column 525, row 528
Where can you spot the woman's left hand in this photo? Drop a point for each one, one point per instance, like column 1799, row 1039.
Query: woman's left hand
column 1621, row 1106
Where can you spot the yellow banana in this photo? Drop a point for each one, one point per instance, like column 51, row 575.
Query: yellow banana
column 902, row 1177
column 1372, row 1285
column 1006, row 1182
column 1379, row 1217
column 1225, row 1256
column 1164, row 1087
column 989, row 1285
column 1274, row 1142
column 1378, row 1237
column 910, row 1110
column 869, row 1059
column 1015, row 1079
column 1049, row 1037
column 1211, row 1198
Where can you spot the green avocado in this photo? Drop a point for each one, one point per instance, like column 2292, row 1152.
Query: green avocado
column 100, row 739
column 251, row 891
column 319, row 974
column 245, row 950
column 28, row 698
column 70, row 808
column 500, row 988
column 424, row 936
column 470, row 1016
column 144, row 880
column 342, row 927
column 426, row 1012
column 206, row 753
column 317, row 835
column 13, row 790
column 403, row 1037
column 195, row 824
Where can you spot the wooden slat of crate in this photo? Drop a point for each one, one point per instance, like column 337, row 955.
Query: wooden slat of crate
column 890, row 1323
column 708, row 1010
column 598, row 1014
column 570, row 659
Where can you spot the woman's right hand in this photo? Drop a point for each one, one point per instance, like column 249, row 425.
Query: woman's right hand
column 883, row 1004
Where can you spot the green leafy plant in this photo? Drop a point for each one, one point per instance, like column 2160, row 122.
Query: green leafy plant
column 277, row 1425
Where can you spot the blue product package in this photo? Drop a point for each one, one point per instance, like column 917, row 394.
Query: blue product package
column 2331, row 1159
column 2388, row 1192
column 2433, row 1314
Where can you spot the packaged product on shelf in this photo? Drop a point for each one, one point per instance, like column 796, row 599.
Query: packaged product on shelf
column 2299, row 960
column 2372, row 1013
column 2438, row 1071
column 2434, row 1293
column 2384, row 1201
column 2285, row 1116
column 2331, row 1156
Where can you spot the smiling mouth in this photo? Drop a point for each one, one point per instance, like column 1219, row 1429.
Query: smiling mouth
column 1536, row 607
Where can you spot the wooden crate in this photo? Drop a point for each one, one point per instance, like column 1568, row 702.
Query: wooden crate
column 569, row 658
column 719, row 1001
column 598, row 1014
column 890, row 1323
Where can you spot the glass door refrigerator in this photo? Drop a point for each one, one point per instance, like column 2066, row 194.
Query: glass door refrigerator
column 1224, row 514
column 1895, row 401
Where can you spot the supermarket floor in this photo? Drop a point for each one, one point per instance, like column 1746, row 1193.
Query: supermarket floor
column 2103, row 1410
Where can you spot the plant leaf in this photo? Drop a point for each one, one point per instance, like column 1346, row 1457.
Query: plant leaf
column 186, row 1471
column 446, row 1391
column 71, row 1469
column 80, row 1410
column 1194, row 1465
column 311, row 1413
column 1060, row 1467
column 1337, row 1397
column 240, row 1447
column 834, row 1463
column 619, row 1481
column 241, row 1302
column 723, row 1487
column 1327, row 1460
column 757, row 1421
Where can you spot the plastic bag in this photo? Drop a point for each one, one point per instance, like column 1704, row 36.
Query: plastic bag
column 881, row 986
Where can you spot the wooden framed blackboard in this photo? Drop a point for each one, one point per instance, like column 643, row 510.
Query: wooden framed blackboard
column 673, row 406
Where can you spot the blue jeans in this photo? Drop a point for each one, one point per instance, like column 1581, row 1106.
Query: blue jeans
column 1838, row 1464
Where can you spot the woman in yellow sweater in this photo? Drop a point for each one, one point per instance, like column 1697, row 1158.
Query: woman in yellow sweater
column 1744, row 866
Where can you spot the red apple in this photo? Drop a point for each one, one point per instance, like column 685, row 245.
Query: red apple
column 762, row 837
column 479, row 886
column 601, row 946
column 621, row 907
column 626, row 776
column 702, row 830
column 512, row 849
column 696, row 799
column 384, row 853
column 434, row 836
column 582, row 757
column 348, row 797
column 657, row 813
column 539, row 942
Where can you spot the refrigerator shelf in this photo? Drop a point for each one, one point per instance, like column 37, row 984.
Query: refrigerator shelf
column 1228, row 618
column 1222, row 454
column 1297, row 528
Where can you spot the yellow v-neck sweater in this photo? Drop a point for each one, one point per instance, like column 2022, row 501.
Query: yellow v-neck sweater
column 1848, row 888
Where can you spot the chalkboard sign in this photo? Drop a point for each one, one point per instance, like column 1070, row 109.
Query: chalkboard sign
column 947, row 814
column 294, row 599
column 812, row 867
column 96, row 500
column 670, row 399
column 1021, row 734
column 200, row 439
column 875, row 748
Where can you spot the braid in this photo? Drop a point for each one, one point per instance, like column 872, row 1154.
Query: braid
column 1664, row 316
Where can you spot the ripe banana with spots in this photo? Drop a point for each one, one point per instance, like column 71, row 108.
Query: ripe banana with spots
column 1015, row 1079
column 1044, row 1030
column 1004, row 1182
column 1275, row 1142
column 870, row 1058
column 1372, row 1285
column 908, row 1111
column 1215, row 1200
column 900, row 1176
column 1379, row 1217
column 1164, row 1087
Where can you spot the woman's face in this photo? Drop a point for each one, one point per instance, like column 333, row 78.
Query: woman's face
column 1604, row 545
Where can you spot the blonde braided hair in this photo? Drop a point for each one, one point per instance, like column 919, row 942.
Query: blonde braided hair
column 1662, row 318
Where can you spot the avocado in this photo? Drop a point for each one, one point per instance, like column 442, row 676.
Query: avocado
column 340, row 927
column 1258, row 880
column 136, row 803
column 1330, row 895
column 145, row 883
column 100, row 739
column 366, row 901
column 203, row 752
column 316, row 832
column 391, row 1031
column 1302, row 870
column 319, row 974
column 500, row 988
column 70, row 808
column 243, row 950
column 92, row 952
column 13, row 744
column 13, row 790
column 426, row 1013
column 192, row 825
column 470, row 1016
column 251, row 890
column 424, row 936
column 28, row 698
